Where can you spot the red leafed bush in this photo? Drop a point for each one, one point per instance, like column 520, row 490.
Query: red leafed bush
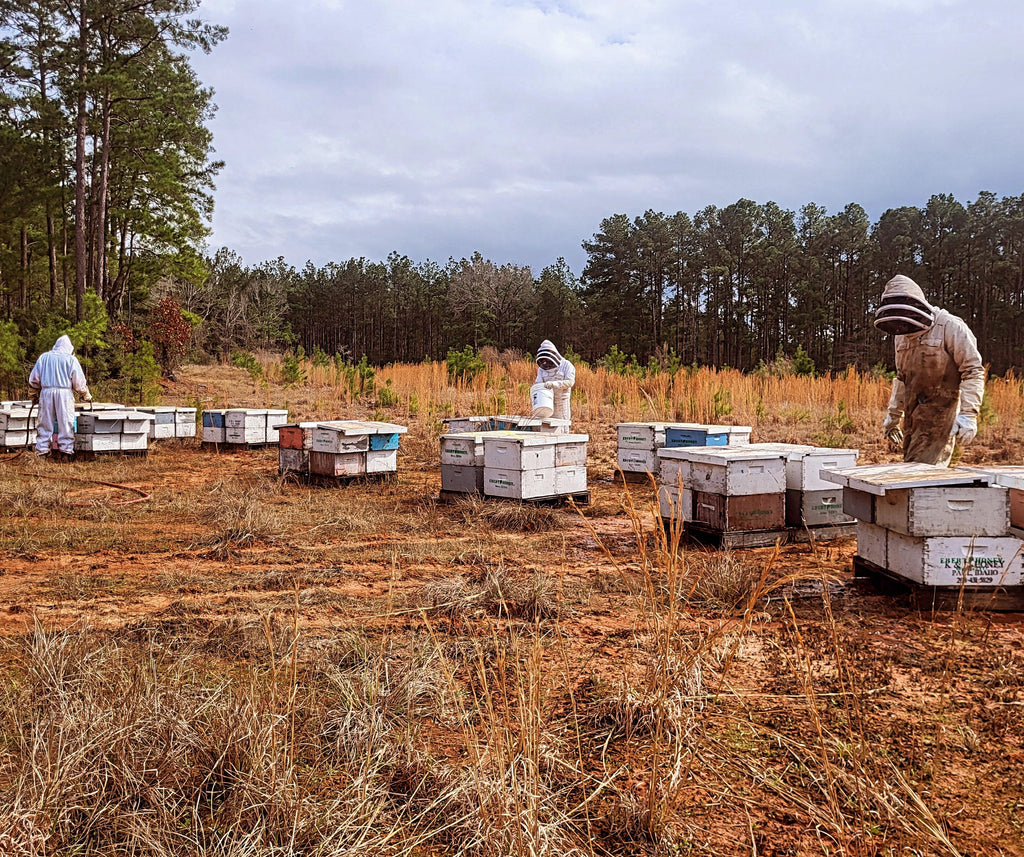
column 169, row 332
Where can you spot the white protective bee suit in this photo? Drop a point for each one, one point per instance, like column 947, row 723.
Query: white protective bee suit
column 58, row 376
column 940, row 379
column 560, row 379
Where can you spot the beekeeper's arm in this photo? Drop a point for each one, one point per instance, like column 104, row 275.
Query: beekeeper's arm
column 963, row 348
column 78, row 382
column 35, row 380
column 891, row 425
column 568, row 379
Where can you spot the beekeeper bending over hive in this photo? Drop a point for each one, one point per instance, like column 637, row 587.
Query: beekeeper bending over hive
column 57, row 376
column 940, row 378
column 558, row 375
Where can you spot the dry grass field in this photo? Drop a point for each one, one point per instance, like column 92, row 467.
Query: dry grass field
column 224, row 663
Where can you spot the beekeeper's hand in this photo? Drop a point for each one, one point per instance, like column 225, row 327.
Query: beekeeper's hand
column 965, row 429
column 87, row 396
column 891, row 430
column 550, row 385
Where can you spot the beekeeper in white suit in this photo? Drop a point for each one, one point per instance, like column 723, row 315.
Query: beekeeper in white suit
column 558, row 375
column 940, row 378
column 57, row 376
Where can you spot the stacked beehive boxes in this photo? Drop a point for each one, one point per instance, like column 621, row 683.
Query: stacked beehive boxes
column 242, row 426
column 462, row 462
column 295, row 440
column 343, row 449
column 812, row 501
column 171, row 422
column 534, row 465
column 213, row 425
column 17, row 424
column 638, row 443
column 109, row 430
column 932, row 526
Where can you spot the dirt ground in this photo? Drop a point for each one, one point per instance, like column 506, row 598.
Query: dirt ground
column 220, row 542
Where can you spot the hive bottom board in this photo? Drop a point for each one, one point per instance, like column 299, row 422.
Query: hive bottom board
column 729, row 539
column 581, row 498
column 1000, row 600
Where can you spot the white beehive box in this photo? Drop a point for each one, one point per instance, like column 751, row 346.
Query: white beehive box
column 631, row 460
column 20, row 419
column 248, row 435
column 15, row 438
column 872, row 543
column 803, row 467
column 382, row 461
column 134, row 442
column 519, row 451
column 458, row 425
column 240, row 418
column 185, row 416
column 646, row 436
column 547, row 425
column 463, row 450
column 136, row 422
column 879, row 478
column 571, row 479
column 101, row 422
column 340, row 437
column 274, row 419
column 945, row 511
column 1011, row 477
column 736, row 471
column 571, row 450
column 105, row 442
column 519, row 484
column 161, row 431
column 674, row 467
column 948, row 561
column 675, row 503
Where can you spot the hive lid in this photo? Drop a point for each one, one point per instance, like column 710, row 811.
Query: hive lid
column 720, row 454
column 879, row 478
column 348, row 427
column 523, row 438
column 800, row 450
column 1006, row 475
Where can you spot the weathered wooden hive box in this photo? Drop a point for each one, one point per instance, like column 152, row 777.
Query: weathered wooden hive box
column 185, row 422
column 1011, row 477
column 245, row 426
column 534, row 465
column 295, row 440
column 934, row 526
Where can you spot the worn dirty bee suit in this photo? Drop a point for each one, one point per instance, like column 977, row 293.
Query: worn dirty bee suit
column 559, row 375
column 940, row 378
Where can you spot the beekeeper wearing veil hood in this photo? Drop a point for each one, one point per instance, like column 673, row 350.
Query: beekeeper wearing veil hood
column 558, row 375
column 57, row 376
column 940, row 378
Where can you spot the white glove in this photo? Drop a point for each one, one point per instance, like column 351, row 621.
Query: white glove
column 87, row 396
column 550, row 385
column 891, row 430
column 965, row 429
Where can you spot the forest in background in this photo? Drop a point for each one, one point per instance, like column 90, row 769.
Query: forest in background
column 106, row 193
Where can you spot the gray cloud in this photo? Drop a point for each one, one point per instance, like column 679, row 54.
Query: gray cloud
column 441, row 128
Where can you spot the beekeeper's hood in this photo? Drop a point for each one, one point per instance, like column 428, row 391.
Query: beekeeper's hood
column 904, row 309
column 547, row 351
column 64, row 346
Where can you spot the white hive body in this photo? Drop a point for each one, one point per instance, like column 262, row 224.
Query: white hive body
column 528, row 465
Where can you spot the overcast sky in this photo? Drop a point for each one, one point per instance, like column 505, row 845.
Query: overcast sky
column 442, row 127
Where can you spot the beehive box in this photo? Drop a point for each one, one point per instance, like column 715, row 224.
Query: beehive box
column 674, row 467
column 459, row 425
column 462, row 479
column 872, row 543
column 19, row 419
column 162, row 426
column 570, row 479
column 877, row 479
column 519, row 484
column 134, row 441
column 816, row 508
column 1011, row 477
column 546, row 425
column 950, row 561
column 675, row 503
column 214, row 418
column 274, row 419
column 648, row 436
column 859, row 505
column 214, row 434
column 296, row 435
column 693, row 434
column 739, row 512
column 463, row 450
column 104, row 442
column 340, row 437
column 571, row 450
column 15, row 438
column 507, row 451
column 945, row 511
column 291, row 460
column 633, row 460
column 249, row 435
column 242, row 418
column 737, row 471
column 381, row 460
column 102, row 422
column 804, row 467
column 335, row 464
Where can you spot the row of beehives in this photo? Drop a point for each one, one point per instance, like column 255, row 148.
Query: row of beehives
column 753, row 487
column 518, row 465
column 100, row 427
column 243, row 426
column 938, row 526
column 638, row 443
column 338, row 449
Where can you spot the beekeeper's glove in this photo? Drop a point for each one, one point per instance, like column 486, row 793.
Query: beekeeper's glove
column 87, row 396
column 965, row 429
column 891, row 430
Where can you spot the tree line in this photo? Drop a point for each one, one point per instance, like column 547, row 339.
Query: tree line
column 106, row 190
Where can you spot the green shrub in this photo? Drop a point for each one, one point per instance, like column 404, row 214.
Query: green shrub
column 464, row 365
column 291, row 370
column 140, row 374
column 245, row 360
column 386, row 396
